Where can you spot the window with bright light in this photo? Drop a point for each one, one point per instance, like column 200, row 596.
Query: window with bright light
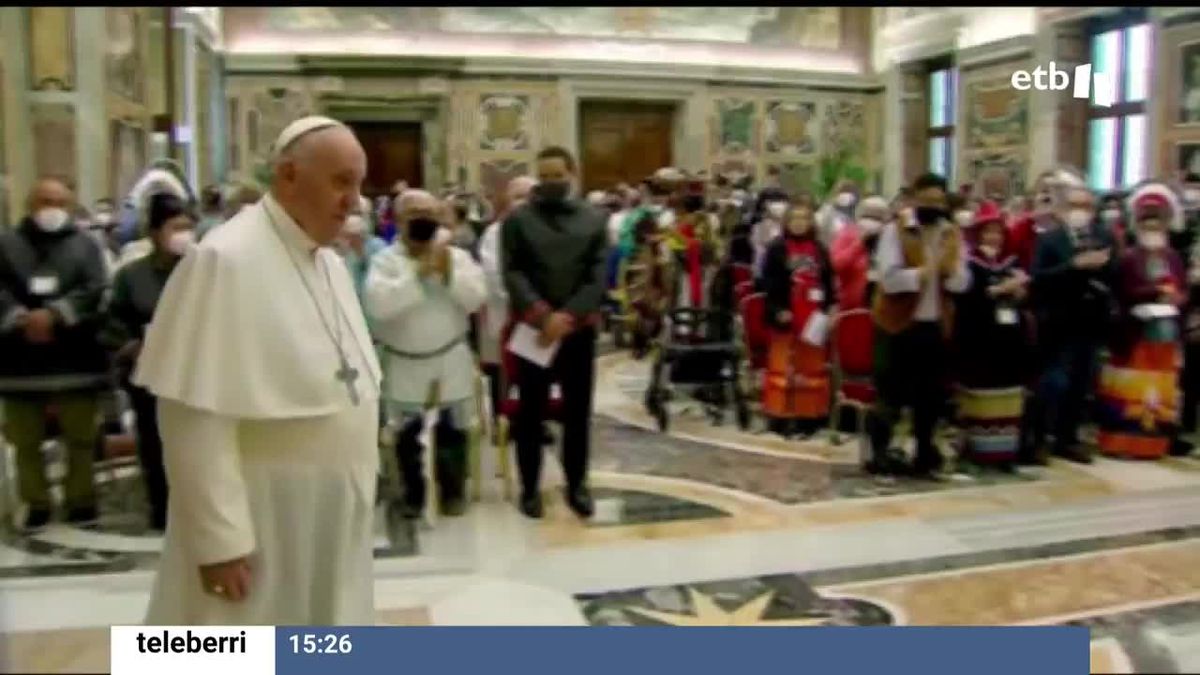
column 943, row 90
column 1117, row 139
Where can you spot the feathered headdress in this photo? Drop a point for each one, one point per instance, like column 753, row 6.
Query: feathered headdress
column 163, row 175
column 1156, row 194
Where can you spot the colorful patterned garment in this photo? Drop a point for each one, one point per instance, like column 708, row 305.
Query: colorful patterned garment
column 1138, row 400
column 991, row 423
column 796, row 382
column 1138, row 396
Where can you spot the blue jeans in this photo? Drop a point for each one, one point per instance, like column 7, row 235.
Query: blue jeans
column 1069, row 375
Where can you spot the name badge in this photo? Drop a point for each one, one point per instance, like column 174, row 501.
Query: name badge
column 1006, row 316
column 43, row 285
column 816, row 295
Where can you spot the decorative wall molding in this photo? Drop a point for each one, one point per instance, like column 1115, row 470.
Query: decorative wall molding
column 1009, row 49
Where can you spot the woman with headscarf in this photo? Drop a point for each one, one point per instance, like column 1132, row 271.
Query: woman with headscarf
column 853, row 249
column 990, row 340
column 838, row 211
column 170, row 225
column 1139, row 394
column 798, row 276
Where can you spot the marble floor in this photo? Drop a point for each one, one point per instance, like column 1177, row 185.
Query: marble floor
column 710, row 525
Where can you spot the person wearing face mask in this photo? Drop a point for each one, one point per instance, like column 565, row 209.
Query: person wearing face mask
column 495, row 315
column 1112, row 215
column 798, row 276
column 649, row 282
column 853, row 252
column 554, row 255
column 838, row 211
column 1073, row 272
column 1138, row 395
column 769, row 226
column 357, row 245
column 136, row 291
column 990, row 346
column 419, row 296
column 1026, row 228
column 963, row 216
column 922, row 266
column 52, row 281
column 693, row 240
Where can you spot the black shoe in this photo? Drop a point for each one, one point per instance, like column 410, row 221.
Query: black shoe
column 82, row 515
column 1181, row 448
column 580, row 501
column 453, row 508
column 1033, row 458
column 531, row 506
column 893, row 463
column 1075, row 454
column 547, row 435
column 37, row 518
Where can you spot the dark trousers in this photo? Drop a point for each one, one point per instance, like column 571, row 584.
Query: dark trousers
column 910, row 369
column 450, row 468
column 1062, row 391
column 574, row 370
column 150, row 453
column 1191, row 386
column 493, row 372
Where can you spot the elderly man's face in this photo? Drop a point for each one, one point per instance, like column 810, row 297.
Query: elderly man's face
column 417, row 213
column 50, row 194
column 323, row 182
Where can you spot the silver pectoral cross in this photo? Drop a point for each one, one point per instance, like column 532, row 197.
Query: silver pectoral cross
column 349, row 376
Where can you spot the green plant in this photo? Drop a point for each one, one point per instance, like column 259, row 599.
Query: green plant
column 837, row 166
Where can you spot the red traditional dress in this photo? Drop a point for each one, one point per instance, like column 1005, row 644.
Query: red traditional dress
column 798, row 276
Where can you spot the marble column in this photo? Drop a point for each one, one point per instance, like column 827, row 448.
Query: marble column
column 892, row 140
column 1043, row 108
column 91, row 112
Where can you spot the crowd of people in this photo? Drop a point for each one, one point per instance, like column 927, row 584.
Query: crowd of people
column 1015, row 323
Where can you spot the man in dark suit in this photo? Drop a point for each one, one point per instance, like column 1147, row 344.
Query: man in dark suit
column 554, row 251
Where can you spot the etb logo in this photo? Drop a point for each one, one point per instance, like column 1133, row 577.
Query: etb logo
column 1058, row 80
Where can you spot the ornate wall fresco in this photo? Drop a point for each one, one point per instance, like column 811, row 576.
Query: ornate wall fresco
column 797, row 27
column 51, row 39
column 494, row 174
column 1178, row 124
column 790, row 127
column 125, row 64
column 993, row 120
column 505, row 122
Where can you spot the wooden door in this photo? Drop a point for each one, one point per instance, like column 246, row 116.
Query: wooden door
column 393, row 153
column 623, row 141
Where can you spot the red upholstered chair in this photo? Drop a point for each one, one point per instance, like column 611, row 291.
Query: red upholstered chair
column 742, row 273
column 510, row 406
column 741, row 291
column 752, row 313
column 852, row 352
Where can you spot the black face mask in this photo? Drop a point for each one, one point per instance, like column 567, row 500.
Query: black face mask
column 421, row 230
column 552, row 192
column 928, row 215
column 693, row 203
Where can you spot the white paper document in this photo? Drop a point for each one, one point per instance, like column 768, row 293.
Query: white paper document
column 816, row 329
column 524, row 343
column 1155, row 310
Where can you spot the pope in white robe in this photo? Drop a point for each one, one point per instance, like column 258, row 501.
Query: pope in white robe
column 420, row 294
column 268, row 390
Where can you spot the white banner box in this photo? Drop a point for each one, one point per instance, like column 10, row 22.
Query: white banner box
column 192, row 650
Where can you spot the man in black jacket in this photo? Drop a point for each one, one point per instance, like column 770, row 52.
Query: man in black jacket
column 52, row 278
column 554, row 251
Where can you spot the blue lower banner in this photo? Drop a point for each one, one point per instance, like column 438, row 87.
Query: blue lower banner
column 697, row 651
column 263, row 650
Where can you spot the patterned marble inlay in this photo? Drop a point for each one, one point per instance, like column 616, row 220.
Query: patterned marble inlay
column 1162, row 639
column 624, row 449
column 783, row 600
column 633, row 507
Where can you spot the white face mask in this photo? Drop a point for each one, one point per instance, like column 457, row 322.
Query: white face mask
column 51, row 219
column 908, row 214
column 776, row 209
column 989, row 250
column 1191, row 196
column 1111, row 215
column 870, row 226
column 963, row 218
column 1152, row 241
column 1079, row 218
column 180, row 242
column 845, row 200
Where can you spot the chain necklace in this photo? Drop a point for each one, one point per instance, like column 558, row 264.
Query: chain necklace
column 345, row 373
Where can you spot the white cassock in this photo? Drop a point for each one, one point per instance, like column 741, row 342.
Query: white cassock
column 266, row 453
column 422, row 325
column 495, row 310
